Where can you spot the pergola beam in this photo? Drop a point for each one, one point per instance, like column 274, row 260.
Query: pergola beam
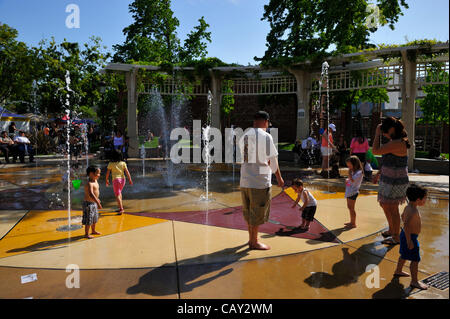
column 404, row 75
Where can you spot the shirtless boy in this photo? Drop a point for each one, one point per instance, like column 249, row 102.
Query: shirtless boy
column 91, row 203
column 409, row 245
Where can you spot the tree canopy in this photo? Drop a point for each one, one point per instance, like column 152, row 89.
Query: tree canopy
column 152, row 37
column 307, row 30
column 16, row 66
column 435, row 104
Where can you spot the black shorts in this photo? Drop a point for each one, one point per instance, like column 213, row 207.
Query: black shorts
column 361, row 156
column 353, row 197
column 308, row 213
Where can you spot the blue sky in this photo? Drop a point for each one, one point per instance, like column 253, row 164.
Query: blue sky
column 238, row 34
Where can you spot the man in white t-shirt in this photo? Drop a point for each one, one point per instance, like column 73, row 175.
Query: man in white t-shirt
column 259, row 161
column 23, row 147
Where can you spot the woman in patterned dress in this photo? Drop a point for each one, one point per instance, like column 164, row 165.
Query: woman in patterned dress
column 393, row 174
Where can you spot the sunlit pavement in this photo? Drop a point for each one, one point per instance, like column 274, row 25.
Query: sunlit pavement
column 169, row 244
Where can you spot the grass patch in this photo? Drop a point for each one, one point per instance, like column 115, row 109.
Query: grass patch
column 286, row 146
column 155, row 142
column 421, row 154
column 424, row 154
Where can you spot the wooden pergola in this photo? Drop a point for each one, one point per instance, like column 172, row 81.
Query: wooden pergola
column 402, row 74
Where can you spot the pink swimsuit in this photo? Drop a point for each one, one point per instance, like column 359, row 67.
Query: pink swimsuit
column 118, row 185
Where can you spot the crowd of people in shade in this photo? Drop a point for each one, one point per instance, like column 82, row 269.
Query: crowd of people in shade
column 331, row 155
column 17, row 143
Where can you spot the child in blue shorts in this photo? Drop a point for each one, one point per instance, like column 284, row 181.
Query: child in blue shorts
column 409, row 245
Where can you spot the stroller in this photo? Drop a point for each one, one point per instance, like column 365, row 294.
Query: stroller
column 310, row 156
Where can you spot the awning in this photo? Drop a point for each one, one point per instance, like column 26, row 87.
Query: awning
column 7, row 115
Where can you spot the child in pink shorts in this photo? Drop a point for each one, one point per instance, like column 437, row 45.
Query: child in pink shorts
column 118, row 168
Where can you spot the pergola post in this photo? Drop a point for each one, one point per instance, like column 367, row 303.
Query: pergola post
column 132, row 114
column 303, row 79
column 409, row 89
column 216, row 90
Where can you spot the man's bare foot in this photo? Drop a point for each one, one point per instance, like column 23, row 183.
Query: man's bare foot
column 419, row 285
column 350, row 225
column 95, row 233
column 120, row 212
column 259, row 246
column 88, row 236
column 401, row 274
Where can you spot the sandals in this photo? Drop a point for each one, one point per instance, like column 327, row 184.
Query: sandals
column 390, row 241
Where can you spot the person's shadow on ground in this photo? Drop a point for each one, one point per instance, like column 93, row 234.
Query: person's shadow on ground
column 162, row 281
column 47, row 245
column 348, row 270
column 393, row 290
column 329, row 236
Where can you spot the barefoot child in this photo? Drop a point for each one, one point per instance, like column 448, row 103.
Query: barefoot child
column 409, row 245
column 309, row 203
column 91, row 203
column 352, row 185
column 118, row 168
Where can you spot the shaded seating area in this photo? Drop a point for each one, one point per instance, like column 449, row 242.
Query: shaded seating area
column 21, row 151
column 20, row 147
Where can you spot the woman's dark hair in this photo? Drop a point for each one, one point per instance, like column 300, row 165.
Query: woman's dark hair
column 415, row 192
column 360, row 136
column 356, row 163
column 116, row 156
column 399, row 129
column 297, row 182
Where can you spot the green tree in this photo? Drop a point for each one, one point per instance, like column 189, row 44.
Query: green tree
column 309, row 30
column 435, row 105
column 152, row 37
column 227, row 105
column 83, row 64
column 16, row 66
column 195, row 45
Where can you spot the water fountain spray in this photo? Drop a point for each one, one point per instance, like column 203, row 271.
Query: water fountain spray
column 142, row 151
column 68, row 227
column 156, row 108
column 84, row 134
column 207, row 155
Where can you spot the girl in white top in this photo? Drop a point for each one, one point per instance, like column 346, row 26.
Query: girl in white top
column 352, row 185
column 309, row 203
